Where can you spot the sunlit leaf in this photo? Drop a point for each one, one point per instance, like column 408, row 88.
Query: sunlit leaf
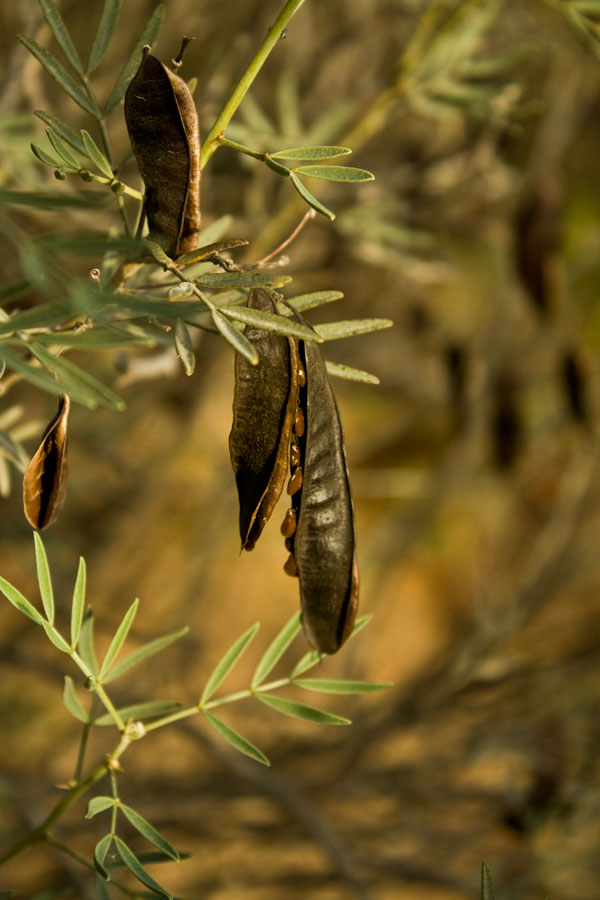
column 131, row 66
column 118, row 639
column 310, row 659
column 332, row 331
column 308, row 301
column 78, row 602
column 85, row 645
column 104, row 32
column 235, row 739
column 137, row 869
column 276, row 649
column 184, row 347
column 62, row 148
column 95, row 154
column 321, row 152
column 19, row 601
column 144, row 652
column 341, row 686
column 301, row 711
column 227, row 662
column 100, row 851
column 44, row 157
column 310, row 198
column 335, row 173
column 71, row 701
column 350, row 374
column 238, row 341
column 241, row 279
column 98, row 805
column 44, row 579
column 148, row 831
column 270, row 322
column 140, row 711
column 55, row 638
column 60, row 75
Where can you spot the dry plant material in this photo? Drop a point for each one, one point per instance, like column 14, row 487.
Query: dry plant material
column 319, row 526
column 45, row 480
column 264, row 405
column 163, row 129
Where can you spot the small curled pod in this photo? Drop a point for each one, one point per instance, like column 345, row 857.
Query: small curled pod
column 322, row 547
column 264, row 404
column 163, row 128
column 45, row 479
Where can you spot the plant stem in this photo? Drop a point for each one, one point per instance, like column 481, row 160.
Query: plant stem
column 274, row 33
column 225, row 142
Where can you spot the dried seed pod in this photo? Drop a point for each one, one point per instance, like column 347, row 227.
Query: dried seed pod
column 323, row 544
column 264, row 404
column 45, row 480
column 163, row 129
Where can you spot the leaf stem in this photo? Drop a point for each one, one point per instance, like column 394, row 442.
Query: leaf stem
column 215, row 135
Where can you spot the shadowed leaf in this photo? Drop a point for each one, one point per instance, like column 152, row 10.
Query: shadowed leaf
column 276, row 649
column 118, row 639
column 67, row 134
column 144, row 652
column 235, row 739
column 44, row 579
column 234, row 337
column 300, row 711
column 61, row 76
column 140, row 711
column 60, row 32
column 98, row 805
column 19, row 601
column 78, row 602
column 137, row 869
column 131, row 66
column 104, row 32
column 310, row 198
column 148, row 831
column 71, row 701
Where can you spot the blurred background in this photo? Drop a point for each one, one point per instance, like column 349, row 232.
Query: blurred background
column 474, row 467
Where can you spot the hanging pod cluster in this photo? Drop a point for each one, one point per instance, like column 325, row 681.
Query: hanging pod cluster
column 284, row 408
column 163, row 129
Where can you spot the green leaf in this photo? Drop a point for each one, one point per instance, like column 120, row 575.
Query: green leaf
column 52, row 200
column 241, row 279
column 184, row 347
column 78, row 383
column 309, row 301
column 335, row 173
column 321, row 152
column 98, row 338
column 98, row 805
column 235, row 739
column 96, row 155
column 487, row 886
column 132, row 65
column 361, row 623
column 14, row 289
column 71, row 701
column 350, row 374
column 310, row 198
column 86, row 642
column 226, row 663
column 333, row 331
column 341, row 686
column 55, row 638
column 144, row 652
column 148, row 831
column 270, row 322
column 36, row 376
column 101, row 892
column 118, row 639
column 44, row 579
column 44, row 157
column 78, row 602
column 19, row 601
column 63, row 131
column 276, row 649
column 60, row 32
column 41, row 316
column 61, row 76
column 234, row 337
column 140, row 711
column 137, row 869
column 100, row 851
column 300, row 711
column 104, row 32
column 309, row 660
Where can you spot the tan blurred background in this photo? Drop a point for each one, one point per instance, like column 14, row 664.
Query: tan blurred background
column 474, row 466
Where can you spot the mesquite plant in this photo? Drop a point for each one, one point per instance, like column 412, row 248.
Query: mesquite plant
column 160, row 279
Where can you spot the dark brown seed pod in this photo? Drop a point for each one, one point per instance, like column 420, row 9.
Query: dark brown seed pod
column 45, row 480
column 264, row 404
column 323, row 544
column 163, row 129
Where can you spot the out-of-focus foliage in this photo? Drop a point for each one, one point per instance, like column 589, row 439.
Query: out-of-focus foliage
column 474, row 463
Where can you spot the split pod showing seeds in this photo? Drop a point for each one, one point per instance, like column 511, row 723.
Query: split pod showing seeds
column 319, row 526
column 163, row 129
column 264, row 406
column 45, row 480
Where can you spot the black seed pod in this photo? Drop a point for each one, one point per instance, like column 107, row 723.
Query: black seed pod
column 45, row 479
column 163, row 129
column 323, row 544
column 264, row 404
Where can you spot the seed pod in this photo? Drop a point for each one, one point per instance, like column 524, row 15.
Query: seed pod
column 264, row 404
column 323, row 544
column 45, row 480
column 163, row 129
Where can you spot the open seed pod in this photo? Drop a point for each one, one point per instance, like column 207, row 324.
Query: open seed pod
column 319, row 526
column 264, row 404
column 45, row 479
column 163, row 129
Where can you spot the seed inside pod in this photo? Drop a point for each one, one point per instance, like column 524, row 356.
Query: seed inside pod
column 163, row 128
column 299, row 423
column 295, row 482
column 288, row 526
column 45, row 479
column 290, row 567
column 295, row 456
column 301, row 375
column 264, row 404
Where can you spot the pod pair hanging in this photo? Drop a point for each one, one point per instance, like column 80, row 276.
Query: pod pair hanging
column 284, row 408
